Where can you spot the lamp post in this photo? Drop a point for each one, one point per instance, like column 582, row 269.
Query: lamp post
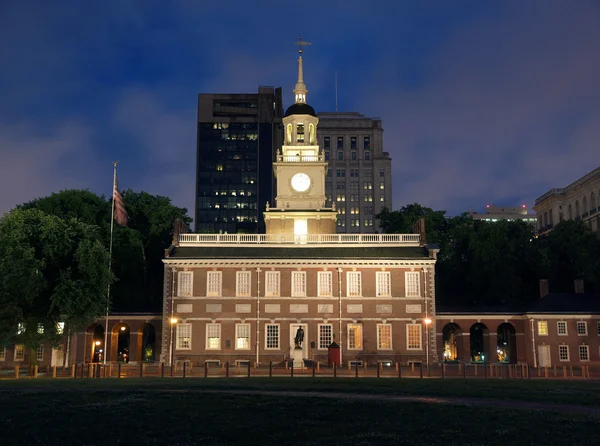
column 173, row 322
column 427, row 324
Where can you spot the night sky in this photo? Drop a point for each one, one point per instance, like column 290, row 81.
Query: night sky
column 483, row 102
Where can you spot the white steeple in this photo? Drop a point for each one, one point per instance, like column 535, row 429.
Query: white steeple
column 300, row 91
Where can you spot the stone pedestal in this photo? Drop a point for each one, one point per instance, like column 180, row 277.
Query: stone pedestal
column 298, row 354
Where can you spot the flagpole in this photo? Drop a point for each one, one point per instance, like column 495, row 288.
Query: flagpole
column 112, row 225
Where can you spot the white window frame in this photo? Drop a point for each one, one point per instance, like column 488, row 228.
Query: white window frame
column 585, row 348
column 383, row 282
column 60, row 328
column 598, row 326
column 360, row 344
column 325, row 284
column 584, row 325
column 238, row 337
column 420, row 331
column 409, row 284
column 2, row 353
column 541, row 324
column 214, row 283
column 39, row 354
column 562, row 326
column 322, row 340
column 183, row 343
column 298, row 283
column 210, row 336
column 379, row 337
column 19, row 357
column 40, row 328
column 243, row 283
column 183, row 284
column 272, row 284
column 564, row 348
column 353, row 284
column 278, row 347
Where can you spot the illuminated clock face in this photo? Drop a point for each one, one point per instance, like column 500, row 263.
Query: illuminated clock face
column 300, row 182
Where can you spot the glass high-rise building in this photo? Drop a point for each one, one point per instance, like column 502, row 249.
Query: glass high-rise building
column 238, row 138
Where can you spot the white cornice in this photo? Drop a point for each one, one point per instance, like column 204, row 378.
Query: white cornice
column 296, row 262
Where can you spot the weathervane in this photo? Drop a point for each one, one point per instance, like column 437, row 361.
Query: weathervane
column 300, row 44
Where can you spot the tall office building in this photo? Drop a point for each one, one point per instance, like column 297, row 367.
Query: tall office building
column 238, row 137
column 359, row 173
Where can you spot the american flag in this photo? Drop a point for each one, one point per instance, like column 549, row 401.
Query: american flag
column 120, row 212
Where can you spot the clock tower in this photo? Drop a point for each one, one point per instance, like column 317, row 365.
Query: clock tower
column 300, row 171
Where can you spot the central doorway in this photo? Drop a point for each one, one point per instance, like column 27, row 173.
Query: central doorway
column 293, row 330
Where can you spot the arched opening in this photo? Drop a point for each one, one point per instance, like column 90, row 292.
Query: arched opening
column 570, row 212
column 584, row 204
column 451, row 335
column 122, row 331
column 478, row 334
column 592, row 202
column 148, row 341
column 577, row 213
column 95, row 343
column 507, row 343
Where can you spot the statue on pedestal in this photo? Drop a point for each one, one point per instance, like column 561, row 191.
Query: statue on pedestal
column 299, row 339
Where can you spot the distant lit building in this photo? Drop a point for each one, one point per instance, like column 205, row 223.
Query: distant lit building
column 497, row 213
column 577, row 201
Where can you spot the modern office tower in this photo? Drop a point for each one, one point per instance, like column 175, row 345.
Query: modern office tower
column 238, row 137
column 359, row 174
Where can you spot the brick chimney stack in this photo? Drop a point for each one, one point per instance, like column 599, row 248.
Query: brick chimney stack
column 544, row 288
column 579, row 288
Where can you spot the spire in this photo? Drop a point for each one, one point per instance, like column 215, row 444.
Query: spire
column 300, row 91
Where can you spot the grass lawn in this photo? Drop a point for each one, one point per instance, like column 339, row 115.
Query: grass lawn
column 132, row 411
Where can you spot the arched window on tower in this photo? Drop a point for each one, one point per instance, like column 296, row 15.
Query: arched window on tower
column 300, row 133
column 311, row 134
column 289, row 133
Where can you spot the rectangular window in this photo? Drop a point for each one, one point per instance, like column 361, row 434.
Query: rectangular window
column 598, row 328
column 40, row 329
column 581, row 328
column 40, row 353
column 2, row 353
column 340, row 156
column 213, row 283
column 327, row 155
column 272, row 283
column 213, row 336
column 367, row 143
column 184, row 336
column 298, row 283
column 367, row 156
column 383, row 283
column 242, row 336
column 329, row 172
column 20, row 328
column 563, row 353
column 561, row 328
column 60, row 327
column 340, row 142
column 382, row 185
column 368, row 222
column 325, row 336
column 184, row 282
column 354, row 156
column 341, row 223
column 367, row 186
column 272, row 337
column 542, row 328
column 381, row 172
column 413, row 336
column 353, row 142
column 19, row 352
column 325, row 283
column 384, row 337
column 412, row 284
column 584, row 353
column 353, row 284
column 327, row 142
column 242, row 283
column 354, row 337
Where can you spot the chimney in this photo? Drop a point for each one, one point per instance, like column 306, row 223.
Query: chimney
column 579, row 286
column 544, row 289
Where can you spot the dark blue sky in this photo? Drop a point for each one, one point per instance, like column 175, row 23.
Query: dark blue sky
column 482, row 102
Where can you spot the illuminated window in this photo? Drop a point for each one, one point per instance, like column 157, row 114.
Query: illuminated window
column 561, row 328
column 213, row 336
column 368, row 198
column 563, row 353
column 341, row 223
column 383, row 283
column 40, row 329
column 584, row 353
column 581, row 328
column 213, row 283
column 368, row 222
column 325, row 283
column 40, row 353
column 184, row 283
column 355, row 222
column 242, row 336
column 272, row 283
column 542, row 328
column 19, row 352
column 325, row 336
column 368, row 186
column 300, row 133
column 382, row 185
column 20, row 328
column 354, row 337
column 242, row 283
column 413, row 337
column 184, row 336
column 272, row 337
column 298, row 283
column 2, row 353
column 384, row 337
column 341, row 197
column 412, row 284
column 353, row 284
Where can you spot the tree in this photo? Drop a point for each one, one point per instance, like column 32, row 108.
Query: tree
column 53, row 271
column 403, row 221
